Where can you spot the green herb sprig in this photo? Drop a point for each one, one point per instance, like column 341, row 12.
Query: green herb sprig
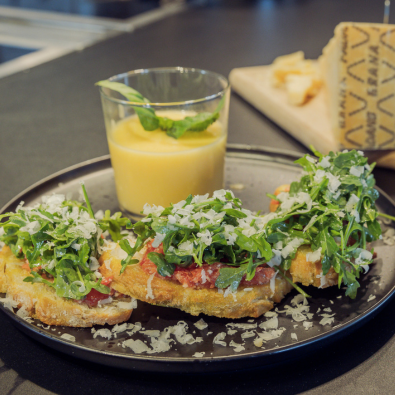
column 58, row 238
column 150, row 121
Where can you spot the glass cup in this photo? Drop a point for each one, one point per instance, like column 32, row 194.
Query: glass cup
column 152, row 166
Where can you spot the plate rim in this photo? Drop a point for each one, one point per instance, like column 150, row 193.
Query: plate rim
column 187, row 364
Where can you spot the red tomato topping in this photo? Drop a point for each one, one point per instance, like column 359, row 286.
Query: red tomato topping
column 203, row 276
column 107, row 280
column 94, row 296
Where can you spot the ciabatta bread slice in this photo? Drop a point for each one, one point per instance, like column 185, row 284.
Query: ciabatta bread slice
column 41, row 302
column 252, row 301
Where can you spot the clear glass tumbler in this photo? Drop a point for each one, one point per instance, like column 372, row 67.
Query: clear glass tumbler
column 152, row 166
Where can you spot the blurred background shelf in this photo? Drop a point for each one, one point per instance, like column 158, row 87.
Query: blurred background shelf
column 36, row 31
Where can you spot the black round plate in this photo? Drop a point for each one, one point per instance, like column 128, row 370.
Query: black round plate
column 250, row 173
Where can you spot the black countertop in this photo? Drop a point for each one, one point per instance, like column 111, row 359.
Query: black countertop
column 50, row 118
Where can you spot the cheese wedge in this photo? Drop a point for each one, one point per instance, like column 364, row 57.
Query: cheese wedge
column 358, row 70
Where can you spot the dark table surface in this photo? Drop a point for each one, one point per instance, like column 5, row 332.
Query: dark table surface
column 50, row 118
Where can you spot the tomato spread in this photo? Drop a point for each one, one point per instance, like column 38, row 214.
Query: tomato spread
column 204, row 276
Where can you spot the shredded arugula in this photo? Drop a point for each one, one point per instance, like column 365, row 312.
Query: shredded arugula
column 150, row 121
column 61, row 240
column 204, row 230
column 331, row 208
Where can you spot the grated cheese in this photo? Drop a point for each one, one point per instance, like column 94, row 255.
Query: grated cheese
column 218, row 339
column 371, row 297
column 149, row 288
column 237, row 347
column 314, row 256
column 68, row 337
column 104, row 332
column 201, row 324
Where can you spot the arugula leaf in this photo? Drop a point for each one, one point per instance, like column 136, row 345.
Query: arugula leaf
column 229, row 276
column 58, row 239
column 164, row 267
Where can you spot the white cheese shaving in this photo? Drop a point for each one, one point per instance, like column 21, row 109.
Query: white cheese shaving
column 137, row 346
column 328, row 319
column 319, row 176
column 311, row 223
column 201, row 324
column 104, row 332
column 105, row 301
column 204, row 278
column 291, row 246
column 94, row 263
column 186, row 247
column 31, row 227
column 271, row 323
column 79, row 284
column 371, row 297
column 218, row 339
column 247, row 334
column 272, row 283
column 242, row 326
column 205, row 237
column 68, row 337
column 333, row 183
column 159, row 237
column 22, row 312
column 149, row 288
column 128, row 305
column 352, row 202
column 276, row 259
column 9, row 303
column 99, row 214
column 156, row 210
column 324, row 163
column 228, row 291
column 271, row 335
column 310, row 159
column 314, row 256
column 237, row 347
column 307, row 325
column 364, row 256
column 357, row 171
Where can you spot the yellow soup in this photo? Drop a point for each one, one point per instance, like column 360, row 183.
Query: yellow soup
column 151, row 167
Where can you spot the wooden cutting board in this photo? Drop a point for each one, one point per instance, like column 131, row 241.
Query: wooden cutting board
column 308, row 123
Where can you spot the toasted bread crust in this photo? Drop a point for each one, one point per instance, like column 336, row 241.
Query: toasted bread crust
column 309, row 273
column 41, row 302
column 134, row 282
column 3, row 278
